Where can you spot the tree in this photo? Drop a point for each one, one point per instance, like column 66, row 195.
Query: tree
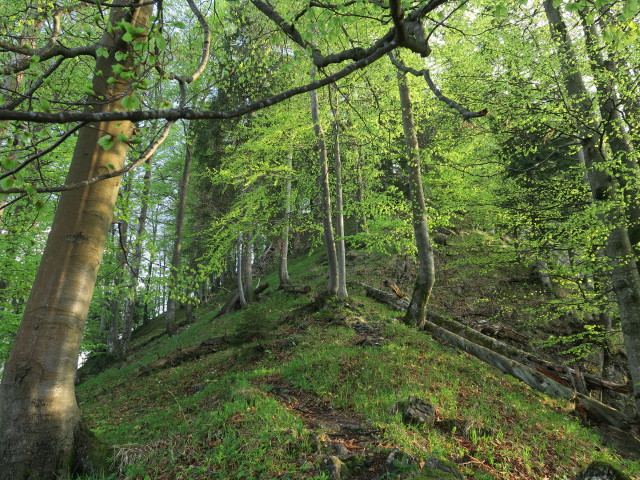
column 37, row 396
column 39, row 417
column 417, row 311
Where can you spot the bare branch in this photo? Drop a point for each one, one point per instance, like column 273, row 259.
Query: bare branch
column 35, row 156
column 116, row 173
column 36, row 85
column 173, row 114
column 466, row 114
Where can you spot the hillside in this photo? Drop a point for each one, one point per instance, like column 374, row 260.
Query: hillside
column 284, row 390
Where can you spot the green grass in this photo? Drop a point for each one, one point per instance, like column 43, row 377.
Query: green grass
column 214, row 417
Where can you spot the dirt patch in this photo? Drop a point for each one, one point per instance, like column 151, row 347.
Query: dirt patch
column 338, row 432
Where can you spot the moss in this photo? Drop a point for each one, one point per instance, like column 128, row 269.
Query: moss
column 91, row 456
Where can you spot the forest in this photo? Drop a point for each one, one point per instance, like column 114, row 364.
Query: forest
column 183, row 180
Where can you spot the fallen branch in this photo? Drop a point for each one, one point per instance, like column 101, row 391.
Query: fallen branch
column 233, row 303
column 181, row 355
column 569, row 375
column 495, row 353
column 535, row 379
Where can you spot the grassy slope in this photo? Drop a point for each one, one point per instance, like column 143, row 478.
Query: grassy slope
column 217, row 417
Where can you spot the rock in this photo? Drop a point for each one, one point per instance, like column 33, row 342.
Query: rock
column 399, row 462
column 601, row 471
column 418, row 412
column 334, row 468
column 437, row 469
column 340, row 449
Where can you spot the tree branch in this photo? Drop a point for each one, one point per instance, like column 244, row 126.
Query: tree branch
column 116, row 173
column 466, row 114
column 172, row 114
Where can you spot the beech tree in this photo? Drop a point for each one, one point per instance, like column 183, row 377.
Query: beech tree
column 40, row 422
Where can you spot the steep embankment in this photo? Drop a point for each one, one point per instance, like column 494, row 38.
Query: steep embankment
column 276, row 391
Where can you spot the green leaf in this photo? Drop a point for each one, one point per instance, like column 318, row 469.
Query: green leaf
column 161, row 43
column 178, row 24
column 128, row 37
column 131, row 102
column 45, row 106
column 102, row 52
column 107, row 142
column 9, row 163
column 120, row 56
column 39, row 205
column 7, row 182
column 29, row 189
column 112, row 80
column 35, row 59
column 122, row 137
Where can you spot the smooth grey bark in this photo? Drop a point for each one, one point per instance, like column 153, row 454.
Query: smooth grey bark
column 625, row 278
column 284, row 242
column 246, row 267
column 39, row 416
column 327, row 222
column 362, row 222
column 176, row 256
column 417, row 311
column 605, row 73
column 241, row 297
column 340, row 244
column 136, row 262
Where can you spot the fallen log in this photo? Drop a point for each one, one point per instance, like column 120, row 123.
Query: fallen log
column 595, row 410
column 233, row 303
column 181, row 355
column 493, row 354
column 296, row 289
column 392, row 300
column 570, row 375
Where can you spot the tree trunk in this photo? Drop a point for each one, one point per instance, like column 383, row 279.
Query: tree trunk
column 362, row 222
column 39, row 415
column 340, row 246
column 136, row 261
column 625, row 278
column 246, row 265
column 327, row 223
column 170, row 315
column 417, row 311
column 605, row 74
column 284, row 243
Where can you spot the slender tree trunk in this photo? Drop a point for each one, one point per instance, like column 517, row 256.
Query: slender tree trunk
column 246, row 266
column 329, row 239
column 39, row 416
column 625, row 277
column 284, row 243
column 241, row 297
column 136, row 262
column 362, row 223
column 417, row 311
column 170, row 315
column 340, row 246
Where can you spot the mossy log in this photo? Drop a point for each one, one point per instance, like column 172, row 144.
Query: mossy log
column 495, row 353
column 565, row 375
column 180, row 355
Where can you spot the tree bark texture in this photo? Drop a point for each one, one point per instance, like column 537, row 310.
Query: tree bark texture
column 327, row 223
column 136, row 261
column 246, row 267
column 176, row 256
column 625, row 278
column 38, row 411
column 340, row 245
column 284, row 243
column 417, row 311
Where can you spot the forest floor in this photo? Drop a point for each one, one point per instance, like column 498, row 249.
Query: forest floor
column 277, row 391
